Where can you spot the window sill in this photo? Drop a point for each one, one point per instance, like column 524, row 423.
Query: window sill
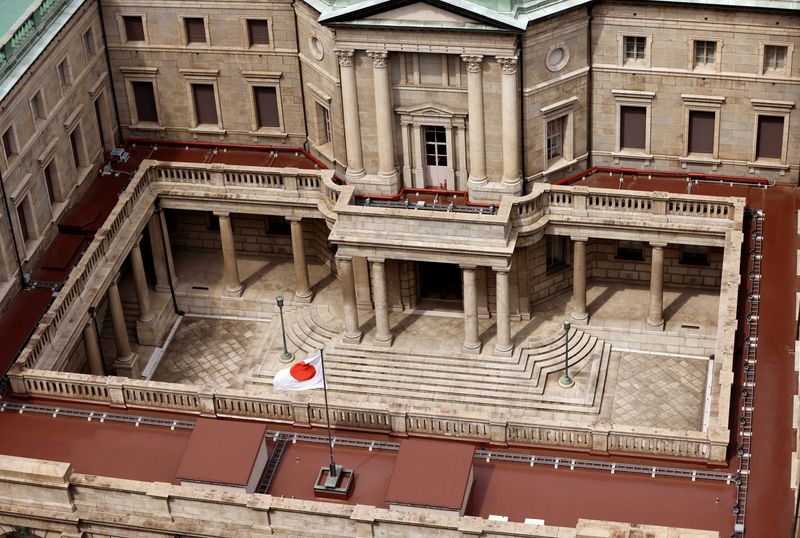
column 272, row 132
column 148, row 126
column 631, row 154
column 700, row 159
column 770, row 164
column 207, row 129
column 560, row 164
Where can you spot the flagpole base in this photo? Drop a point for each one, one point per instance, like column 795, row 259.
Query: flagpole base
column 286, row 357
column 337, row 486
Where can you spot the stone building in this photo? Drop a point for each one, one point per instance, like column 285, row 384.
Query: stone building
column 392, row 169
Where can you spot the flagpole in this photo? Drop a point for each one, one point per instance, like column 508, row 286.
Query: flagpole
column 332, row 464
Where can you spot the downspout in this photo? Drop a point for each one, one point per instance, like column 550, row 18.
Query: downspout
column 13, row 235
column 300, row 73
column 110, row 72
column 522, row 110
column 589, row 87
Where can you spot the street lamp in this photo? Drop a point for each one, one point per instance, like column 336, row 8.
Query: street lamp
column 286, row 356
column 566, row 381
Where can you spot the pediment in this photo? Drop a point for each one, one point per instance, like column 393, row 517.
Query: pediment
column 420, row 12
column 430, row 110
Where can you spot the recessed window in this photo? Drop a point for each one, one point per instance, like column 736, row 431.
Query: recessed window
column 134, row 28
column 145, row 99
column 556, row 250
column 213, row 222
column 694, row 255
column 630, row 250
column 555, row 137
column 76, row 146
column 205, row 104
column 37, row 106
column 195, row 29
column 24, row 221
column 774, row 57
column 701, row 131
column 430, row 69
column 769, row 138
column 705, row 53
column 324, row 119
column 88, row 43
column 633, row 127
column 258, row 32
column 266, row 101
column 50, row 179
column 9, row 143
column 64, row 75
column 635, row 49
column 278, row 226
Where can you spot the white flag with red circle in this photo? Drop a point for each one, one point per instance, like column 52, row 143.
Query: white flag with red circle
column 303, row 375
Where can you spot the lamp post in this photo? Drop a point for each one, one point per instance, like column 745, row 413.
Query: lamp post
column 286, row 356
column 566, row 381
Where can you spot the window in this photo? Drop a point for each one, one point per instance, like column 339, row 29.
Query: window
column 76, row 145
column 556, row 250
column 9, row 143
column 213, row 222
column 257, row 32
column 769, row 138
column 694, row 255
column 88, row 43
column 630, row 250
column 145, row 99
column 37, row 106
column 195, row 29
column 324, row 119
column 555, row 137
column 633, row 127
column 705, row 53
column 701, row 131
column 278, row 226
column 64, row 76
column 49, row 173
column 635, row 49
column 266, row 100
column 134, row 28
column 22, row 217
column 98, row 116
column 205, row 104
column 774, row 58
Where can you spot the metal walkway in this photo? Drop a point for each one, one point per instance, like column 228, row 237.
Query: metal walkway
column 6, row 407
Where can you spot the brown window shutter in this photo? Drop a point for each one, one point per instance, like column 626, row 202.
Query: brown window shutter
column 205, row 106
column 634, row 125
column 134, row 28
column 267, row 106
column 145, row 100
column 195, row 29
column 259, row 32
column 770, row 137
column 701, row 131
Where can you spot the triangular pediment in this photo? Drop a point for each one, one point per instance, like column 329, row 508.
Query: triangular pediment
column 420, row 12
column 430, row 110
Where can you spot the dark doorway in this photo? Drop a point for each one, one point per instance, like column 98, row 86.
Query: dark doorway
column 440, row 283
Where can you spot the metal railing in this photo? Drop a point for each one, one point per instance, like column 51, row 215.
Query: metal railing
column 136, row 420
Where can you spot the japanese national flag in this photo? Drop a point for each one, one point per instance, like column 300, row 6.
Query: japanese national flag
column 303, row 375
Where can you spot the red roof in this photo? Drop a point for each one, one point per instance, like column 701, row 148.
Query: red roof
column 431, row 473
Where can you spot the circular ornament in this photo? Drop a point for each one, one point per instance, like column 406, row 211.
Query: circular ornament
column 317, row 50
column 557, row 57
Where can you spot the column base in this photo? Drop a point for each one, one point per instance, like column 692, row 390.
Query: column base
column 303, row 296
column 128, row 366
column 473, row 348
column 504, row 351
column 655, row 325
column 513, row 185
column 354, row 338
column 477, row 182
column 581, row 318
column 350, row 174
column 233, row 292
column 384, row 341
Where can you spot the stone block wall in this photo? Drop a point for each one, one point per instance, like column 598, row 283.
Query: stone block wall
column 544, row 282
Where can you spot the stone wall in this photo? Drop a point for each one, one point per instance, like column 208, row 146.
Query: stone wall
column 544, row 282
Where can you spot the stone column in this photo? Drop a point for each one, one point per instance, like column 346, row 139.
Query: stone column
column 383, row 335
column 92, row 346
column 140, row 283
column 352, row 124
column 472, row 343
column 303, row 293
column 477, row 138
column 168, row 249
column 384, row 117
column 233, row 285
column 579, row 313
column 157, row 246
column 126, row 363
column 510, row 106
column 504, row 344
column 655, row 316
column 352, row 333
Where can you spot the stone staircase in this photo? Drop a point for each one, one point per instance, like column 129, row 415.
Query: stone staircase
column 310, row 327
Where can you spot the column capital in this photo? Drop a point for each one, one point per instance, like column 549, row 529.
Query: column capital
column 294, row 219
column 342, row 258
column 378, row 58
column 345, row 57
column 473, row 62
column 376, row 260
column 503, row 269
column 467, row 267
column 579, row 239
column 222, row 214
column 508, row 64
column 658, row 244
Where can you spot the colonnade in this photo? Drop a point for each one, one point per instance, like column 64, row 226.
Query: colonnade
column 385, row 124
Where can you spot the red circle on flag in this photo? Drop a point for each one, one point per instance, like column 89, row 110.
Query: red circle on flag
column 302, row 371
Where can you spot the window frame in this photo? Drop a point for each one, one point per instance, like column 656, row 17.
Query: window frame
column 644, row 99
column 321, row 99
column 208, row 77
column 784, row 71
column 264, row 79
column 185, row 31
column 38, row 96
column 123, row 31
column 142, row 74
column 64, row 73
column 10, row 146
column 247, row 42
column 706, row 67
column 767, row 107
column 561, row 109
column 623, row 60
column 90, row 44
column 702, row 103
column 79, row 155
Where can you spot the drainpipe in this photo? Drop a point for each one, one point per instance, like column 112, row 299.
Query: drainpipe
column 300, row 68
column 589, row 87
column 521, row 64
column 13, row 235
column 110, row 72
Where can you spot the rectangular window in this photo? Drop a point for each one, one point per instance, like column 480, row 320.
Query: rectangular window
column 64, row 76
column 37, row 106
column 266, row 98
column 49, row 181
column 134, row 28
column 630, row 250
column 635, row 48
column 258, row 32
column 633, row 127
column 555, row 137
column 195, row 29
column 278, row 226
column 774, row 57
column 98, row 116
column 324, row 119
column 694, row 255
column 769, row 141
column 76, row 145
column 145, row 99
column 9, row 143
column 88, row 43
column 24, row 228
column 701, row 131
column 556, row 250
column 205, row 104
column 704, row 53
